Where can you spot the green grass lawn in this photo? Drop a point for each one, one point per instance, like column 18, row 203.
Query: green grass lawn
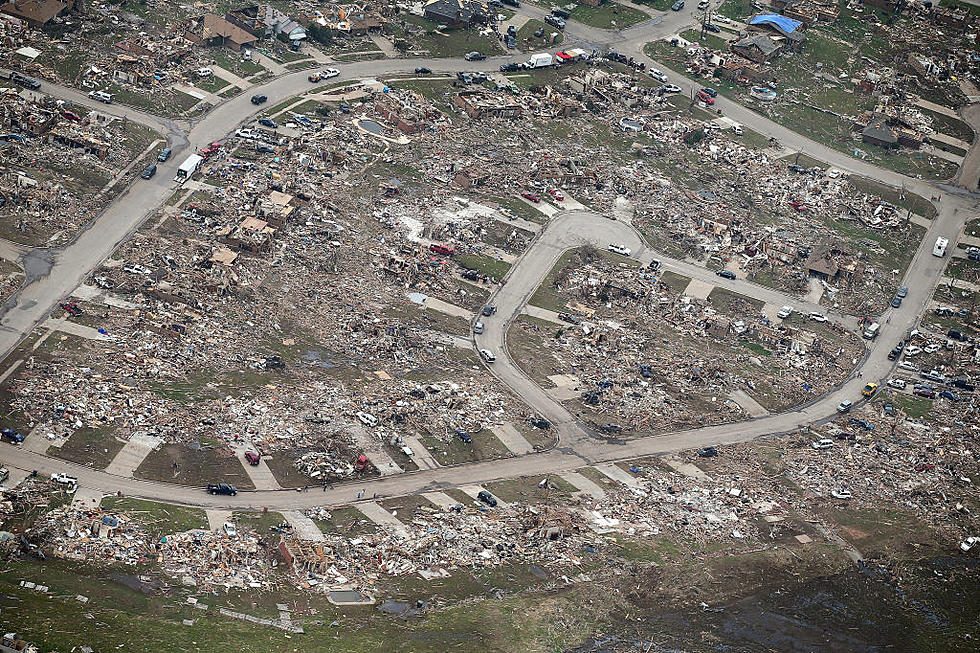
column 212, row 84
column 485, row 446
column 709, row 39
column 93, row 447
column 484, row 264
column 233, row 63
column 448, row 42
column 950, row 126
column 734, row 304
column 261, row 522
column 526, row 40
column 608, row 15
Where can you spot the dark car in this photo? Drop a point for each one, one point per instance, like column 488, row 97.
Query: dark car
column 561, row 13
column 568, row 317
column 946, row 394
column 962, row 384
column 269, row 122
column 264, row 149
column 645, row 370
column 24, row 80
column 474, row 56
column 894, row 353
column 896, row 301
column 164, row 154
column 11, row 436
column 422, row 70
column 540, row 422
column 223, row 488
column 711, row 27
column 708, row 452
column 555, row 21
column 922, row 391
column 486, row 498
column 710, row 92
column 149, row 171
column 889, row 408
column 677, row 6
column 488, row 310
column 611, row 428
column 509, row 67
column 726, row 274
column 863, row 423
column 955, row 334
column 252, row 458
column 512, row 3
column 464, row 436
column 259, row 99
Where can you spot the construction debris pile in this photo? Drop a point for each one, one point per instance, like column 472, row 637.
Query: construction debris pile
column 82, row 153
column 646, row 357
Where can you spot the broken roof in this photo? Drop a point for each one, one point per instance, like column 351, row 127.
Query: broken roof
column 37, row 11
column 761, row 41
column 782, row 24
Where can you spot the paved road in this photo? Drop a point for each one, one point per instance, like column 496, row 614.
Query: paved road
column 571, row 229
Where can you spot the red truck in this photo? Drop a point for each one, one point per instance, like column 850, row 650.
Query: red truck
column 444, row 250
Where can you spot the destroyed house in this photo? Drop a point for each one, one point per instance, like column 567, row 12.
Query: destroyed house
column 211, row 29
column 34, row 12
column 407, row 113
column 758, row 48
column 470, row 176
column 266, row 21
column 276, row 208
column 251, row 235
column 354, row 20
column 456, row 13
column 480, row 104
column 562, row 172
column 808, row 12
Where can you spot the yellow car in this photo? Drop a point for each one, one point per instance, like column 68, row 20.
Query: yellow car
column 870, row 390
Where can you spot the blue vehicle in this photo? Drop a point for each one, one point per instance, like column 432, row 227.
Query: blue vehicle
column 11, row 436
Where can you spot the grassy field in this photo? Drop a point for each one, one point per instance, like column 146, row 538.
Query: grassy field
column 732, row 303
column 485, row 446
column 608, row 15
column 347, row 520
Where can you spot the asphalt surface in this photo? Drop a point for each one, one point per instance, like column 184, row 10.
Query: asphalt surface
column 577, row 446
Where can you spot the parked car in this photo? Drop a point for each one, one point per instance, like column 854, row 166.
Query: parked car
column 726, row 274
column 367, row 419
column 422, row 70
column 486, row 498
column 465, row 437
column 657, row 75
column 969, row 543
column 825, row 443
column 264, row 149
column 474, row 56
column 902, row 291
column 952, row 396
column 329, row 73
column 556, row 195
column 269, row 122
column 711, row 27
column 704, row 97
column 845, row 406
column 540, row 423
column 149, row 171
column 252, row 458
column 924, row 391
column 840, row 494
column 223, row 488
column 509, row 67
column 230, row 529
column 818, row 317
column 933, row 375
column 488, row 310
column 555, row 21
column 619, row 249
column 568, row 317
column 896, row 301
column 898, row 384
column 487, row 355
column 784, row 312
column 863, row 423
column 24, row 80
column 528, row 195
column 478, row 328
column 707, row 452
column 72, row 308
column 101, row 96
column 164, row 154
column 11, row 436
column 204, row 72
column 911, row 367
column 677, row 6
column 870, row 389
column 670, row 88
column 259, row 98
column 710, row 92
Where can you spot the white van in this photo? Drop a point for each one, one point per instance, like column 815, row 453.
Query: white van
column 940, row 248
column 872, row 331
column 101, row 96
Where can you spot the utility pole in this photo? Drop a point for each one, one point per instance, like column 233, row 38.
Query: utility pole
column 704, row 20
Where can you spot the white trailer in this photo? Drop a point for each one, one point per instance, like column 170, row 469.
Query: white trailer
column 539, row 60
column 940, row 248
column 189, row 167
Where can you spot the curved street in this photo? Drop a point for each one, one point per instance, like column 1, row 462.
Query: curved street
column 570, row 229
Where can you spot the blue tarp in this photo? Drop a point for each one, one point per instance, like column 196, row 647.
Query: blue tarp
column 780, row 22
